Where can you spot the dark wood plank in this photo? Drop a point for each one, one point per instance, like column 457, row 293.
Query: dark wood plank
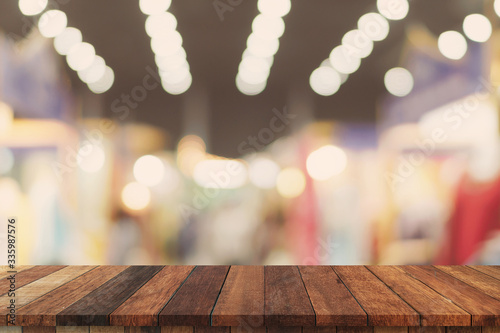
column 384, row 308
column 490, row 329
column 210, row 329
column 195, row 300
column 106, row 329
column 286, row 299
column 39, row 329
column 434, row 309
column 354, row 329
column 143, row 307
column 493, row 271
column 459, row 329
column 249, row 329
column 27, row 276
column 94, row 308
column 427, row 329
column 241, row 302
column 177, row 329
column 485, row 283
column 390, row 329
column 331, row 300
column 142, row 329
column 43, row 311
column 319, row 329
column 485, row 310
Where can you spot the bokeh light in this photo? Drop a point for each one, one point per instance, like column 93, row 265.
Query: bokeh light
column 291, row 182
column 32, row 7
column 477, row 27
column 151, row 7
column 374, row 26
column 264, row 172
column 80, row 56
column 136, row 196
column 343, row 61
column 66, row 40
column 358, row 43
column 104, row 83
column 398, row 81
column 452, row 45
column 149, row 170
column 52, row 23
column 326, row 162
column 91, row 158
column 6, row 117
column 325, row 81
column 393, row 9
column 94, row 72
column 276, row 8
column 6, row 160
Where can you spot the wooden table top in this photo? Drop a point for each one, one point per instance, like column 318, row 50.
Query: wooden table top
column 254, row 295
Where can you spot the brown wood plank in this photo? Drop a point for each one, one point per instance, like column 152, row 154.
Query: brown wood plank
column 43, row 311
column 195, row 300
column 143, row 307
column 243, row 329
column 211, row 329
column 72, row 329
column 354, row 329
column 241, row 302
column 39, row 329
column 458, row 329
column 434, row 309
column 390, row 329
column 286, row 299
column 493, row 271
column 331, row 300
column 40, row 287
column 27, row 276
column 427, row 329
column 485, row 310
column 94, row 308
column 106, row 329
column 177, row 329
column 142, row 329
column 485, row 283
column 319, row 329
column 490, row 329
column 384, row 308
column 284, row 329
column 5, row 270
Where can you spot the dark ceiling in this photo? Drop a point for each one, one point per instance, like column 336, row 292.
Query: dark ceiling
column 214, row 48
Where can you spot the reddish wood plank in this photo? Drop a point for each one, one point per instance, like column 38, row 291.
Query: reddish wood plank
column 286, row 299
column 390, row 329
column 142, row 329
column 43, row 311
column 195, row 300
column 94, row 308
column 485, row 283
column 354, row 329
column 485, row 310
column 427, row 329
column 319, row 329
column 106, row 329
column 27, row 276
column 249, row 329
column 434, row 309
column 143, row 307
column 241, row 302
column 210, row 329
column 177, row 329
column 493, row 271
column 39, row 329
column 331, row 300
column 459, row 329
column 384, row 308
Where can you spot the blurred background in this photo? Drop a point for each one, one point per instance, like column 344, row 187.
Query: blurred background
column 250, row 132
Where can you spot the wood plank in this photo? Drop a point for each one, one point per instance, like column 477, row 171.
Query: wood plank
column 94, row 308
column 12, row 329
column 43, row 311
column 284, row 329
column 485, row 310
column 241, row 302
column 427, row 329
column 244, row 329
column 331, row 300
column 195, row 300
column 390, row 329
column 142, row 329
column 485, row 283
column 211, row 329
column 458, row 329
column 143, row 307
column 286, row 299
column 434, row 309
column 5, row 270
column 354, row 329
column 493, row 271
column 27, row 276
column 106, row 329
column 384, row 308
column 490, row 329
column 177, row 329
column 72, row 329
column 32, row 291
column 39, row 329
column 319, row 329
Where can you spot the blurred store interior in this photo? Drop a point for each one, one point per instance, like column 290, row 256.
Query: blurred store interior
column 250, row 132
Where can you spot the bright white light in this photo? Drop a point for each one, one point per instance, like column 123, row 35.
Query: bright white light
column 398, row 81
column 264, row 173
column 343, row 61
column 10, row 194
column 326, row 162
column 393, row 9
column 253, row 70
column 166, row 44
column 151, row 7
column 374, row 26
column 276, row 8
column 176, row 76
column 179, row 87
column 249, row 88
column 325, row 81
column 452, row 45
column 32, row 7
column 104, row 83
column 291, row 182
column 247, row 53
column 6, row 117
column 91, row 158
column 80, row 56
column 52, row 23
column 261, row 47
column 224, row 174
column 268, row 27
column 7, row 158
column 149, row 170
column 477, row 27
column 136, row 196
column 496, row 6
column 161, row 23
column 357, row 43
column 94, row 72
column 66, row 40
column 173, row 62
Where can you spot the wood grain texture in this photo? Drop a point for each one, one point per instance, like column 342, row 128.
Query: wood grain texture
column 43, row 311
column 390, row 329
column 5, row 270
column 384, row 308
column 490, row 329
column 434, row 309
column 72, row 329
column 39, row 329
column 27, row 276
column 143, row 307
column 458, row 329
column 282, row 329
column 211, row 329
column 331, row 300
column 485, row 310
column 94, row 308
column 241, row 302
column 40, row 287
column 427, row 329
column 354, row 329
column 485, row 283
column 286, row 299
column 493, row 271
column 319, row 329
column 105, row 329
column 177, row 329
column 243, row 329
column 142, row 329
column 196, row 298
